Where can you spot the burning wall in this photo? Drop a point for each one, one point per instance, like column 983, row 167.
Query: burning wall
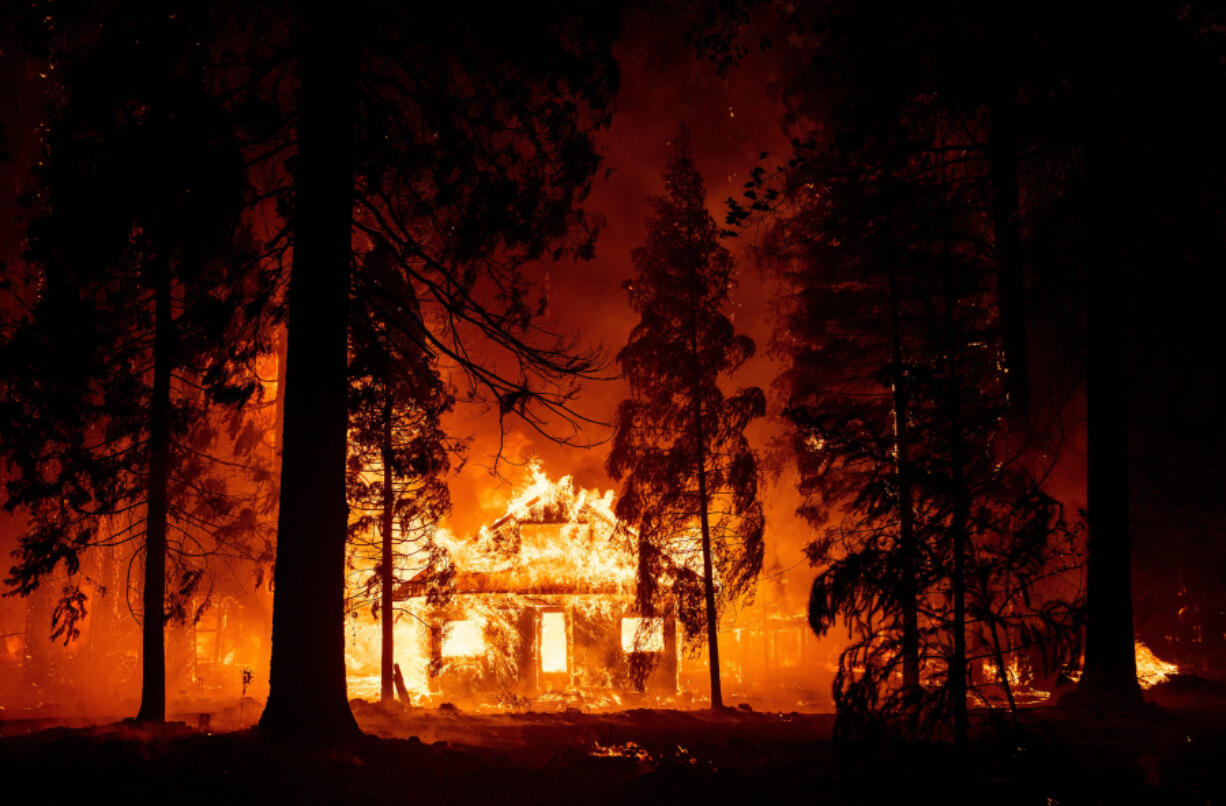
column 542, row 612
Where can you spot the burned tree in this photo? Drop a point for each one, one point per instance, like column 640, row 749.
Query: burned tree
column 690, row 477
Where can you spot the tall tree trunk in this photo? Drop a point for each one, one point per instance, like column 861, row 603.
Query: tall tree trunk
column 1011, row 286
column 708, row 576
column 700, row 445
column 708, row 571
column 958, row 492
column 279, row 411
column 1110, row 673
column 906, row 514
column 307, row 698
column 1110, row 659
column 958, row 526
column 153, row 634
column 387, row 577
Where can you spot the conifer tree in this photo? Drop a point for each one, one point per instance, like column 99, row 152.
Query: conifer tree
column 117, row 394
column 689, row 476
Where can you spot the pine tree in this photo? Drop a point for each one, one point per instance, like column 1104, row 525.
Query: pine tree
column 689, row 476
column 137, row 270
column 898, row 401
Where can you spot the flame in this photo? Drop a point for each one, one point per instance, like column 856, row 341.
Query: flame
column 569, row 529
column 1151, row 670
column 464, row 638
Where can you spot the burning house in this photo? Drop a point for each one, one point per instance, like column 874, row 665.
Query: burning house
column 539, row 605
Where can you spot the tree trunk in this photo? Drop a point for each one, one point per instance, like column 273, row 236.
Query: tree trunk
column 1110, row 660
column 387, row 577
column 960, row 502
column 906, row 514
column 1011, row 286
column 279, row 410
column 708, row 580
column 958, row 525
column 1110, row 672
column 307, row 698
column 153, row 635
column 708, row 572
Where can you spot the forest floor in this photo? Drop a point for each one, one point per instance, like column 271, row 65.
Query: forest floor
column 1168, row 754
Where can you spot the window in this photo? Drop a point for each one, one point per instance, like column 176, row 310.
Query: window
column 463, row 639
column 787, row 647
column 642, row 635
column 553, row 642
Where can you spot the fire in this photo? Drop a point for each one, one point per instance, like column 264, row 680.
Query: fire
column 541, row 613
column 463, row 639
column 1151, row 670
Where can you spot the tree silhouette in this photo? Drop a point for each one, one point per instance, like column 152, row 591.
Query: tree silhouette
column 138, row 269
column 679, row 443
column 901, row 257
column 464, row 140
column 934, row 548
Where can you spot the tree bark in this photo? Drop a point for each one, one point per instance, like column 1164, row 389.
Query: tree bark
column 906, row 514
column 1110, row 661
column 307, row 698
column 960, row 500
column 153, row 635
column 1110, row 671
column 387, row 577
column 1110, row 653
